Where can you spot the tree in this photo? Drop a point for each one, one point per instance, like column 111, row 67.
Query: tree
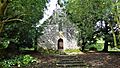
column 116, row 12
column 85, row 14
column 18, row 20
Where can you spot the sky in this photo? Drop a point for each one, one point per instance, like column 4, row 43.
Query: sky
column 51, row 6
column 49, row 11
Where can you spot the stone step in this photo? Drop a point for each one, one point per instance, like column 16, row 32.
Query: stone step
column 70, row 62
column 72, row 65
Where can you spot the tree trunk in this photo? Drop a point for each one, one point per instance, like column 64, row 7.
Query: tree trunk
column 83, row 48
column 117, row 18
column 83, row 45
column 1, row 26
column 105, row 46
column 3, row 6
column 105, row 49
column 35, row 45
column 114, row 36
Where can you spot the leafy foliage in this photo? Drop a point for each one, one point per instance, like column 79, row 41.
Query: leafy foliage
column 18, row 61
column 86, row 13
column 31, row 10
column 23, row 33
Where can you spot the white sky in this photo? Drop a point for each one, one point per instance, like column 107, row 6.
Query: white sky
column 49, row 11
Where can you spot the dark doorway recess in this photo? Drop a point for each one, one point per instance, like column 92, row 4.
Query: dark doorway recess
column 60, row 43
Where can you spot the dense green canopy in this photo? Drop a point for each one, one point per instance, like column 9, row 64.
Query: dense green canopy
column 18, row 20
column 86, row 13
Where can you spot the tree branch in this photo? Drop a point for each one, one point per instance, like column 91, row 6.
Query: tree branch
column 5, row 21
column 3, row 6
column 22, row 15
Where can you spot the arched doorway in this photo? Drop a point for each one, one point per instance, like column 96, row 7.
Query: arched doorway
column 60, row 43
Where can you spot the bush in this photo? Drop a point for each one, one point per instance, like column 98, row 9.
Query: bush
column 18, row 61
column 93, row 49
column 98, row 46
column 4, row 43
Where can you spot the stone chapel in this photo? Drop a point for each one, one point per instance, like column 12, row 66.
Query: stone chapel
column 59, row 32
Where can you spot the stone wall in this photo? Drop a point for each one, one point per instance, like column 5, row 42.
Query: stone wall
column 52, row 35
column 58, row 26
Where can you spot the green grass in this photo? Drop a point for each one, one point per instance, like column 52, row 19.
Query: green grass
column 71, row 50
column 113, row 49
column 99, row 45
column 27, row 48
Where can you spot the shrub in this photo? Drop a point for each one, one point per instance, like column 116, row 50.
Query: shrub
column 93, row 49
column 22, row 60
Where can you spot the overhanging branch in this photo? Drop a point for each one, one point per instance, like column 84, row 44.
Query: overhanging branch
column 5, row 21
column 22, row 15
